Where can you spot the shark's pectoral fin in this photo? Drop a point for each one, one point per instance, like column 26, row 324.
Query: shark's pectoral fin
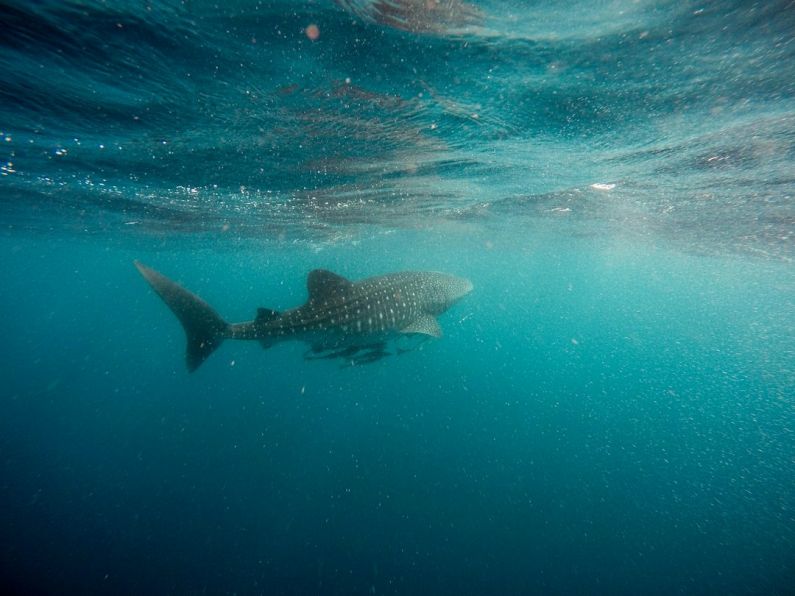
column 426, row 325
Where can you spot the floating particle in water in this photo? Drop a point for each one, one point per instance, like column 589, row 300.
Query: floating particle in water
column 601, row 186
column 312, row 32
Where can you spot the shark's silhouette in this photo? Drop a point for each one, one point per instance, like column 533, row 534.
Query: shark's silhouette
column 342, row 318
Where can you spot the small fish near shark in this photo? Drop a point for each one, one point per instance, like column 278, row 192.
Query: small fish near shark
column 351, row 320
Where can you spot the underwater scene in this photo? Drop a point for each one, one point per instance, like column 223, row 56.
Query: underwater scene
column 397, row 297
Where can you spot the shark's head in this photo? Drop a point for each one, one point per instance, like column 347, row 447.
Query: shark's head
column 444, row 290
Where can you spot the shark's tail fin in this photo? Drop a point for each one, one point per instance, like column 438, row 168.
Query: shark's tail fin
column 205, row 330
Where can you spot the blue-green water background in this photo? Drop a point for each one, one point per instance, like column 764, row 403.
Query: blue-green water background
column 610, row 411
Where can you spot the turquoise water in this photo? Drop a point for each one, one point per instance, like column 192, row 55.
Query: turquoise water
column 609, row 411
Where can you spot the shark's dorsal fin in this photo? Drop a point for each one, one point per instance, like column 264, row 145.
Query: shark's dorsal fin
column 425, row 324
column 324, row 285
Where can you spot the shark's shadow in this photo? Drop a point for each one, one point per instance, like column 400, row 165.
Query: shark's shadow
column 356, row 355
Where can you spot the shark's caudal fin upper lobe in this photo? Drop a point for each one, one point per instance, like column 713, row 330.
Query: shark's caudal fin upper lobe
column 205, row 330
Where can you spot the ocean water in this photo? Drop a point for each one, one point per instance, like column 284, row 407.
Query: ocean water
column 610, row 411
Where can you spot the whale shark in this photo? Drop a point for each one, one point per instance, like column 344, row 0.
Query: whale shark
column 352, row 320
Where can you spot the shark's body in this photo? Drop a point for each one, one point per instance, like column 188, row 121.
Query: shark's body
column 341, row 318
